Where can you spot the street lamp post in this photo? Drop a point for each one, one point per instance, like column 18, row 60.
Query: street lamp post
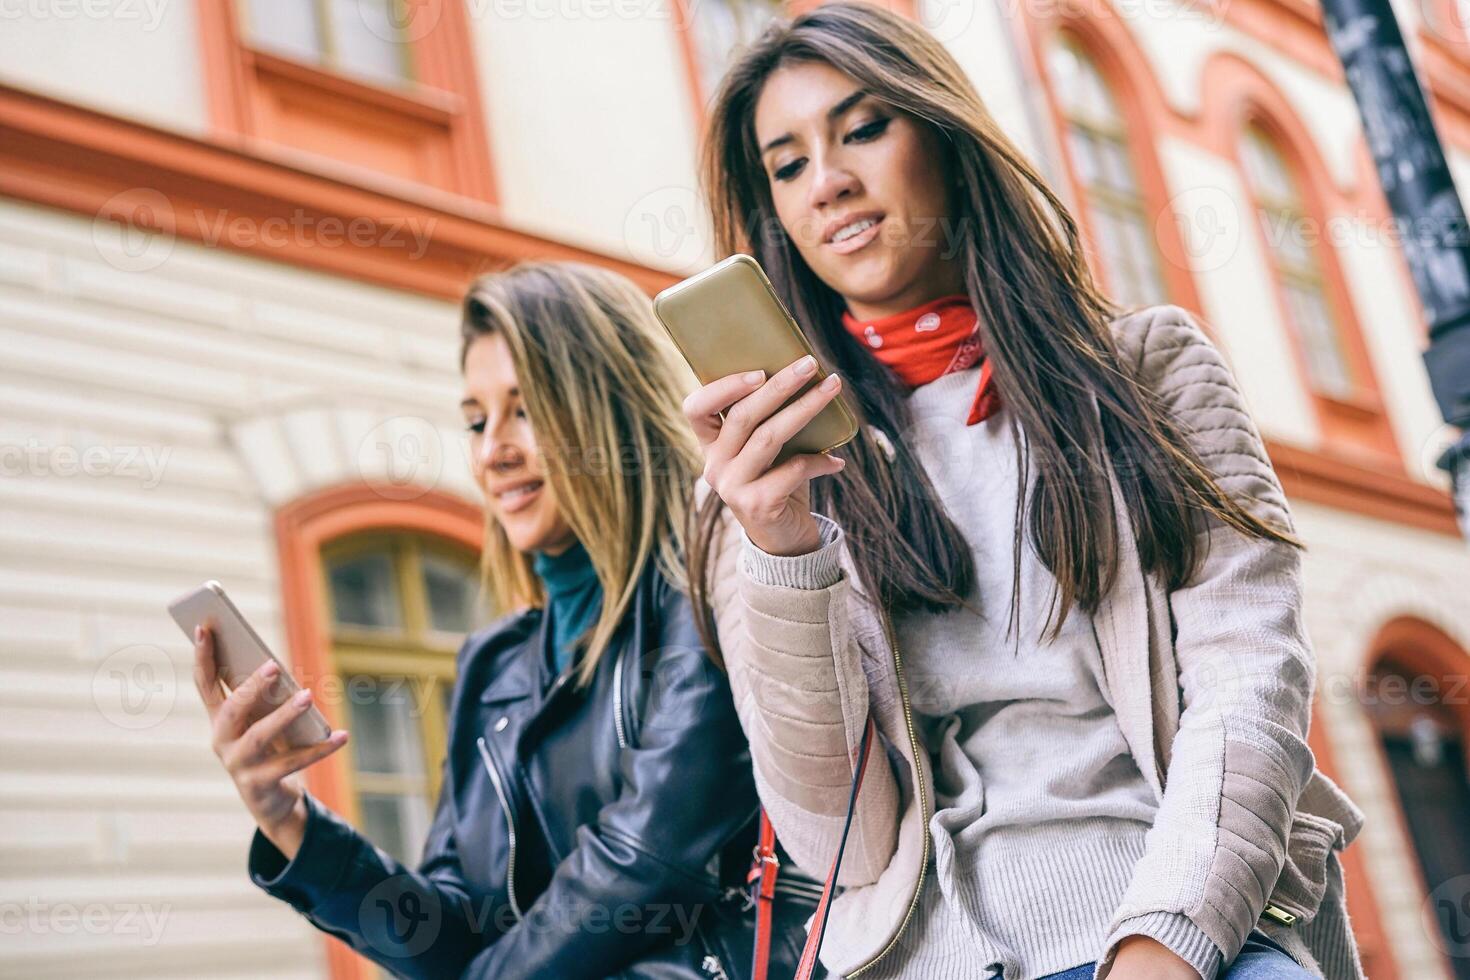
column 1421, row 193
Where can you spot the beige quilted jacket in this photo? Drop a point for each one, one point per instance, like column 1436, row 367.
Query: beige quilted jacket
column 1211, row 684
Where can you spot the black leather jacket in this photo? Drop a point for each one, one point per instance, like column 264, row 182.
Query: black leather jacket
column 580, row 832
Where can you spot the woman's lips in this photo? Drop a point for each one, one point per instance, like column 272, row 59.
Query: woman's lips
column 518, row 501
column 850, row 245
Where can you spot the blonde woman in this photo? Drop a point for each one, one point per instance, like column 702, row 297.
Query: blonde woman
column 596, row 817
column 1056, row 571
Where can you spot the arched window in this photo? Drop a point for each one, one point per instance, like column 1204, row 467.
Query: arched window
column 1097, row 142
column 400, row 605
column 1417, row 703
column 1293, row 240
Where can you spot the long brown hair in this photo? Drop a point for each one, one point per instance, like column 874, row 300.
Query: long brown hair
column 1045, row 325
column 603, row 387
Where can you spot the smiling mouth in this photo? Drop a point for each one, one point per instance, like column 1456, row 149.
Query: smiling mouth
column 516, row 498
column 854, row 236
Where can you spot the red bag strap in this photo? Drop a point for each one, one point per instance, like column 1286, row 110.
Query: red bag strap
column 762, row 879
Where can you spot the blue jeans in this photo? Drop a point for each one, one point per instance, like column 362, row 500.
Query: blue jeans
column 1260, row 959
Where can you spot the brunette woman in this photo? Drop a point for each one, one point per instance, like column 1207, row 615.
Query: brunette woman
column 1055, row 570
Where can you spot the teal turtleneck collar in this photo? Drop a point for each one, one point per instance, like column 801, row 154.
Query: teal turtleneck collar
column 573, row 598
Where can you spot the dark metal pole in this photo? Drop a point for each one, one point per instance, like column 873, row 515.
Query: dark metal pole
column 1427, row 211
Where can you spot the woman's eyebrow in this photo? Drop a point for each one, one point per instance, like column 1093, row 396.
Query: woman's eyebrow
column 470, row 401
column 832, row 114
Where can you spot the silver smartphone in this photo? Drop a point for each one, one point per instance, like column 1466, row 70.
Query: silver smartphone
column 239, row 652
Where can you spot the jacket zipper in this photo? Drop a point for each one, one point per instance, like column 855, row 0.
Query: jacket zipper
column 510, row 825
column 618, row 698
column 908, row 719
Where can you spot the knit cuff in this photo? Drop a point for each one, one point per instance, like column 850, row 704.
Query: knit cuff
column 1176, row 931
column 820, row 569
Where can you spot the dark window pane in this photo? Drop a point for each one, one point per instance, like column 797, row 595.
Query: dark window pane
column 364, row 591
column 451, row 587
column 386, row 719
column 389, row 754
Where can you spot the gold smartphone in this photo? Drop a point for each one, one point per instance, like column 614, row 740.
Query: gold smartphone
column 728, row 320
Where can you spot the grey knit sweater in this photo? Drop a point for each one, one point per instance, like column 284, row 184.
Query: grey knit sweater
column 1041, row 811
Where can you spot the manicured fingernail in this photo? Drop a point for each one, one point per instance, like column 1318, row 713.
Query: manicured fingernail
column 755, row 377
column 340, row 735
column 831, row 383
column 198, row 634
column 302, row 696
column 806, row 365
column 270, row 669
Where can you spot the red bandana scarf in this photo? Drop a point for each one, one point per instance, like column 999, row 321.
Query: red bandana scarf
column 929, row 342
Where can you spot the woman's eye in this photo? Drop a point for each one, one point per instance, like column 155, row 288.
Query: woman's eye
column 790, row 170
column 477, row 426
column 868, row 131
column 521, row 413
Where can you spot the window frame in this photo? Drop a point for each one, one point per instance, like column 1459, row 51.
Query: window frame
column 303, row 527
column 1115, row 56
column 1353, row 424
column 1311, row 275
column 432, row 126
column 1100, row 196
column 410, row 652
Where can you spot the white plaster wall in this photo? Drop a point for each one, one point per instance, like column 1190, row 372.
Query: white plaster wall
column 1230, row 269
column 1178, row 43
column 591, row 124
column 204, row 391
column 134, row 58
column 983, row 35
column 1382, row 294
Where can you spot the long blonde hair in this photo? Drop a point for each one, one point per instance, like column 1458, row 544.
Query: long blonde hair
column 603, row 387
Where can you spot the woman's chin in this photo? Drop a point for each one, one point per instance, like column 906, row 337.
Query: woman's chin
column 528, row 535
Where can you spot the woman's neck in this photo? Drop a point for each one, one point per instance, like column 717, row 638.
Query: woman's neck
column 949, row 280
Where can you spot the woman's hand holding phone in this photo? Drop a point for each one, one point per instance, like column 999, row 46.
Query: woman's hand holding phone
column 248, row 737
column 773, row 504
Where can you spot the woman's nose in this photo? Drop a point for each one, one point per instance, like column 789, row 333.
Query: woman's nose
column 831, row 184
column 495, row 452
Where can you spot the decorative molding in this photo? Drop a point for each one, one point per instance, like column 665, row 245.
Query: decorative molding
column 358, row 224
column 1321, row 478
